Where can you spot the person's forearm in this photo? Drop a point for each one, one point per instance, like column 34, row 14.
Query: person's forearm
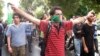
column 26, row 15
column 78, row 20
column 8, row 42
column 83, row 41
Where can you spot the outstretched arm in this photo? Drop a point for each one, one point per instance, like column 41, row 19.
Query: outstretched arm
column 82, row 19
column 26, row 15
column 78, row 20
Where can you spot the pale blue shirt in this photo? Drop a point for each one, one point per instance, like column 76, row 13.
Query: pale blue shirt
column 17, row 34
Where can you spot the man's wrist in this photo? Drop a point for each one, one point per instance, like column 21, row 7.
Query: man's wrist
column 9, row 46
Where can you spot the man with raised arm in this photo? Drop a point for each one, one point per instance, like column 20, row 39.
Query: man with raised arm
column 56, row 37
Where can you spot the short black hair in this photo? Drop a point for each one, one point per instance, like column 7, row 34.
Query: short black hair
column 52, row 11
column 16, row 14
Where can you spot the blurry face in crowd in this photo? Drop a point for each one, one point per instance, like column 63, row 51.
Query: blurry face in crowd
column 59, row 13
column 16, row 19
column 91, row 17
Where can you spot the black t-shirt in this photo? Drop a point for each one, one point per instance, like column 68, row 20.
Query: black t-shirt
column 88, row 32
column 77, row 28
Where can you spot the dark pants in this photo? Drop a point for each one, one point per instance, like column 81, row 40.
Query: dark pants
column 1, row 43
column 96, row 45
column 29, row 39
column 91, row 53
column 42, row 46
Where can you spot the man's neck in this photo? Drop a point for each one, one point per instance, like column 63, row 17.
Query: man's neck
column 89, row 23
column 16, row 24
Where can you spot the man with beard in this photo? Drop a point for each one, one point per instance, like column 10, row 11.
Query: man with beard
column 87, row 39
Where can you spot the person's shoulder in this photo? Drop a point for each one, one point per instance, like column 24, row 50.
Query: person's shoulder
column 23, row 23
column 0, row 24
column 45, row 21
column 67, row 22
column 10, row 26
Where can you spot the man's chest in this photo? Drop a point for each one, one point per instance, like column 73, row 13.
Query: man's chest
column 18, row 29
column 54, row 32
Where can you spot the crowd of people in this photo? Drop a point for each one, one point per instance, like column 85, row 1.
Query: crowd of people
column 50, row 34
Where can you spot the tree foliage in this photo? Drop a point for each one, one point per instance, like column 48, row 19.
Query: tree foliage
column 79, row 7
column 92, row 4
column 26, row 4
column 81, row 11
column 38, row 7
column 69, row 7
